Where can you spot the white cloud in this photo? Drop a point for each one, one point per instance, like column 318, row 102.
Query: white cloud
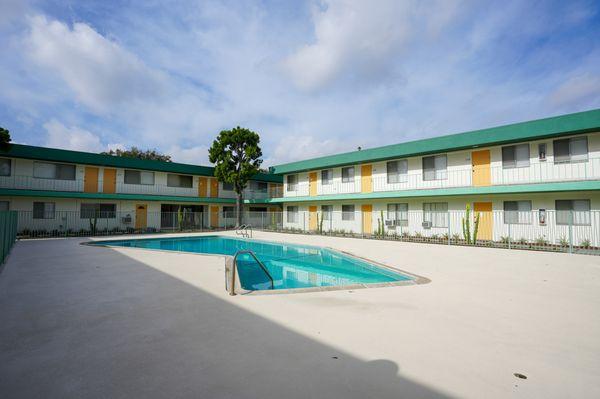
column 577, row 89
column 304, row 147
column 193, row 155
column 102, row 74
column 71, row 138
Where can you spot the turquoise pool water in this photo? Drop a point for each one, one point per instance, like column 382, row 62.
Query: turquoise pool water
column 290, row 265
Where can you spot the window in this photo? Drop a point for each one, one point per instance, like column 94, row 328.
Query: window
column 43, row 210
column 347, row 212
column 434, row 167
column 259, row 186
column 100, row 211
column 517, row 212
column 292, row 214
column 182, row 181
column 327, row 211
column 4, row 206
column 59, row 171
column 292, row 181
column 397, row 171
column 228, row 212
column 515, row 156
column 227, row 186
column 574, row 149
column 348, row 175
column 436, row 213
column 139, row 177
column 258, row 209
column 542, row 151
column 397, row 212
column 576, row 210
column 326, row 177
column 5, row 167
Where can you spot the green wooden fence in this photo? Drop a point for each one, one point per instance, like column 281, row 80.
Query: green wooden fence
column 8, row 232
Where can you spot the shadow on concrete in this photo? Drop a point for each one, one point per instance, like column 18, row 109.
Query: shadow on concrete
column 109, row 326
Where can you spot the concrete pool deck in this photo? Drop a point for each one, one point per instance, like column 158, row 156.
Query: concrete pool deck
column 83, row 321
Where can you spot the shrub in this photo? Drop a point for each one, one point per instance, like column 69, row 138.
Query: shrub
column 563, row 242
column 505, row 239
column 585, row 243
column 541, row 240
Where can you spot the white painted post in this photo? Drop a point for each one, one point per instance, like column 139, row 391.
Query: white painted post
column 571, row 231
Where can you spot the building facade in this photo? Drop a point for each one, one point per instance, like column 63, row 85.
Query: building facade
column 536, row 180
column 63, row 191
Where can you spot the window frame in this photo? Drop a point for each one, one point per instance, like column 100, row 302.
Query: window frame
column 139, row 172
column 570, row 141
column 506, row 164
column 327, row 214
column 394, row 208
column 430, row 215
column 437, row 173
column 9, row 162
column 179, row 180
column 293, row 212
column 229, row 186
column 45, row 212
column 57, row 167
column 98, row 213
column 398, row 174
column 560, row 217
column 521, row 217
column 329, row 180
column 348, row 178
column 291, row 186
column 348, row 216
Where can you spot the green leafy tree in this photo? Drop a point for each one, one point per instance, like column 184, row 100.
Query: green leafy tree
column 4, row 137
column 236, row 155
column 135, row 152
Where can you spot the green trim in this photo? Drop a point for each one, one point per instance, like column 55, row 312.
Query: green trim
column 88, row 158
column 125, row 197
column 581, row 122
column 452, row 192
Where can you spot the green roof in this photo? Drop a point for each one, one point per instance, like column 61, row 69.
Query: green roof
column 591, row 185
column 581, row 122
column 88, row 158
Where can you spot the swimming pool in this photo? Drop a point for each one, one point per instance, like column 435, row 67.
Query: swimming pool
column 290, row 265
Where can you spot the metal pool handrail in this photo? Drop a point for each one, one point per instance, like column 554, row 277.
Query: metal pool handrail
column 235, row 265
column 243, row 231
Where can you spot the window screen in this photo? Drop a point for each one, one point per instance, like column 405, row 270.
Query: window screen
column 45, row 170
column 347, row 212
column 398, row 212
column 327, row 211
column 348, row 174
column 326, row 176
column 182, row 181
column 227, row 186
column 434, row 167
column 515, row 156
column 574, row 149
column 436, row 213
column 292, row 181
column 139, row 177
column 5, row 167
column 99, row 211
column 292, row 214
column 517, row 212
column 397, row 171
column 577, row 211
column 43, row 210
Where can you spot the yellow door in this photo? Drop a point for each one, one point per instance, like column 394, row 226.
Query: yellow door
column 366, row 180
column 482, row 174
column 486, row 220
column 214, row 216
column 202, row 187
column 312, row 182
column 214, row 188
column 367, row 219
column 90, row 180
column 109, row 184
column 312, row 218
column 141, row 216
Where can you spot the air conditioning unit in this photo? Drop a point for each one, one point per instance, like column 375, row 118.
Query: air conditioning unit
column 426, row 225
column 126, row 219
column 390, row 223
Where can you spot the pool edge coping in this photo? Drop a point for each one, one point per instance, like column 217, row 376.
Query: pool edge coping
column 415, row 278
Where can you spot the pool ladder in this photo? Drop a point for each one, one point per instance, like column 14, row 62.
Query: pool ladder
column 234, row 266
column 243, row 231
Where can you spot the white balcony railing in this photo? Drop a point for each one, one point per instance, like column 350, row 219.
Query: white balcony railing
column 34, row 183
column 538, row 172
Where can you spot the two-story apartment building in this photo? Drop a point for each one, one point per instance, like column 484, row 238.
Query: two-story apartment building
column 539, row 177
column 58, row 190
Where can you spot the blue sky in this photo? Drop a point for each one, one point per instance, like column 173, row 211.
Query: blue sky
column 312, row 77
